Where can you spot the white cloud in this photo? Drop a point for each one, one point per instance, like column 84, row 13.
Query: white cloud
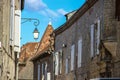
column 35, row 4
column 43, row 13
column 41, row 7
column 62, row 11
column 51, row 12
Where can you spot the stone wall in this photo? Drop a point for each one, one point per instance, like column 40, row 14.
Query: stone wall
column 110, row 23
column 116, row 70
column 103, row 10
column 7, row 56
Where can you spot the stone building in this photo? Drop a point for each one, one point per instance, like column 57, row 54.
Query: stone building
column 25, row 66
column 87, row 45
column 43, row 60
column 10, row 17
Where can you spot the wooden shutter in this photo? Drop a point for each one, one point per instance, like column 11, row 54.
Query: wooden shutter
column 98, row 35
column 66, row 69
column 79, row 53
column 43, row 71
column 72, row 56
column 17, row 31
column 48, row 76
column 61, row 58
column 38, row 72
column 56, row 63
column 12, row 9
column 92, row 40
column 0, row 44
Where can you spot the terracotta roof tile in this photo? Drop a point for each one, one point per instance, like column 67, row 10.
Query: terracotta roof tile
column 28, row 50
column 35, row 49
column 44, row 43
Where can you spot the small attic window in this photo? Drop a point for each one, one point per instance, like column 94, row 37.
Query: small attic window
column 117, row 10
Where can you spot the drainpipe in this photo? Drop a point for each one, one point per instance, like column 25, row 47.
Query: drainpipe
column 16, row 65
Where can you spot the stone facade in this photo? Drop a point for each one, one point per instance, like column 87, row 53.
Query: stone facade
column 77, row 31
column 8, row 54
column 43, row 59
column 25, row 66
column 40, row 54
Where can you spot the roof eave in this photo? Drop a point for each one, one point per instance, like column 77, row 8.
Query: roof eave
column 75, row 17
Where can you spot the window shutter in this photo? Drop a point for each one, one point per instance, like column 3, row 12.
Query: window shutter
column 0, row 44
column 48, row 76
column 0, row 70
column 38, row 71
column 92, row 40
column 79, row 52
column 42, row 68
column 45, row 70
column 17, row 31
column 61, row 55
column 66, row 70
column 72, row 56
column 56, row 63
column 12, row 8
column 98, row 36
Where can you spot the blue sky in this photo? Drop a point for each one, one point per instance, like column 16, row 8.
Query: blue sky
column 45, row 10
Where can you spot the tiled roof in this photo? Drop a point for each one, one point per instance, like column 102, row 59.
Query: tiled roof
column 28, row 50
column 35, row 49
column 44, row 51
column 44, row 43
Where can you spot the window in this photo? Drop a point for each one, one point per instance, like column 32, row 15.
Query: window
column 12, row 8
column 38, row 71
column 17, row 31
column 0, row 44
column 72, row 56
column 48, row 76
column 0, row 70
column 60, row 61
column 56, row 63
column 92, row 40
column 66, row 69
column 43, row 71
column 95, row 38
column 79, row 53
column 118, row 9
